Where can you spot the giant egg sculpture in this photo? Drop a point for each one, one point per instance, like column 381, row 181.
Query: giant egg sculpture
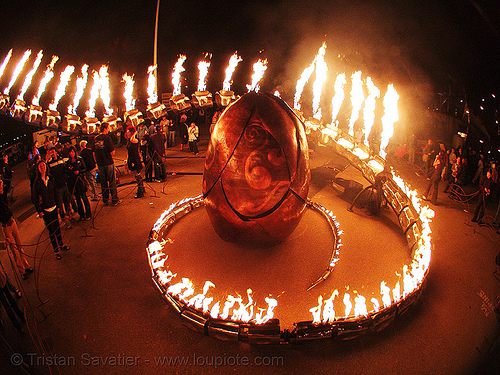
column 256, row 175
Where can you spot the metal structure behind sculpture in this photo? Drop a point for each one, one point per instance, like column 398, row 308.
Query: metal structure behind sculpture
column 256, row 176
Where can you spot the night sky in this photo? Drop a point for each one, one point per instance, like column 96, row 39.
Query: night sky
column 424, row 47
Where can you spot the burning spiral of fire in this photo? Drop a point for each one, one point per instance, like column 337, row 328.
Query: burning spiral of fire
column 235, row 307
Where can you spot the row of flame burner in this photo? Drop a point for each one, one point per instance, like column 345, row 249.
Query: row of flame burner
column 71, row 123
column 413, row 219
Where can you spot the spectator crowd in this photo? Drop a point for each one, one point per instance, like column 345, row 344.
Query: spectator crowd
column 64, row 176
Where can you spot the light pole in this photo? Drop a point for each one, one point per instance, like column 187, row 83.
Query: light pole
column 155, row 52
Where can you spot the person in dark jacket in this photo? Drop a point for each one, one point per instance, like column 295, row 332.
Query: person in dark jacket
column 43, row 196
column 158, row 145
column 104, row 152
column 32, row 169
column 88, row 157
column 438, row 165
column 459, row 178
column 134, row 163
column 183, row 132
column 484, row 197
column 57, row 170
column 146, row 151
column 75, row 169
column 7, row 174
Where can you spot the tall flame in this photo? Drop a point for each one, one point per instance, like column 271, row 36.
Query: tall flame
column 338, row 97
column 321, row 74
column 347, row 304
column 409, row 282
column 152, row 95
column 396, row 292
column 316, row 311
column 17, row 71
column 81, row 83
column 214, row 311
column 357, row 97
column 61, row 89
column 360, row 306
column 177, row 289
column 228, row 80
column 176, row 75
column 100, row 88
column 389, row 118
column 202, row 80
column 304, row 77
column 245, row 312
column 5, row 62
column 49, row 74
column 29, row 76
column 94, row 94
column 104, row 92
column 369, row 109
column 260, row 318
column 230, row 301
column 259, row 68
column 128, row 92
column 198, row 300
column 386, row 296
column 328, row 310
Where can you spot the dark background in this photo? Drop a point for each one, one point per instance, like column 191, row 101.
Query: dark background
column 429, row 49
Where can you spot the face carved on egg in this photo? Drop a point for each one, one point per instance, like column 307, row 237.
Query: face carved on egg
column 256, row 175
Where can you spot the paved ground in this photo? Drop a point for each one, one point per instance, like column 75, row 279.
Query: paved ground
column 99, row 302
